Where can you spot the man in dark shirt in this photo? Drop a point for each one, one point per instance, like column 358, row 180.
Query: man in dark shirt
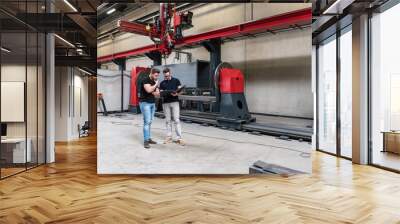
column 147, row 93
column 170, row 105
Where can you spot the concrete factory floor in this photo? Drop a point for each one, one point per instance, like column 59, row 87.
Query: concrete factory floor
column 208, row 150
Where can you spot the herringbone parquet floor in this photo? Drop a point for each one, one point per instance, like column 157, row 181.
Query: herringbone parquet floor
column 70, row 191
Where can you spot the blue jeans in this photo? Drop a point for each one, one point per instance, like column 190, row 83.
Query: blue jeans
column 148, row 110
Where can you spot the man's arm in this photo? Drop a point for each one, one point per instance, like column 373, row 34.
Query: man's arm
column 150, row 88
column 156, row 92
column 179, row 86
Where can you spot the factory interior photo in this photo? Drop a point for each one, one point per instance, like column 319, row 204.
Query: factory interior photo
column 199, row 112
column 230, row 112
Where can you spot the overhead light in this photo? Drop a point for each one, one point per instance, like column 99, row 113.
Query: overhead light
column 5, row 50
column 64, row 40
column 70, row 5
column 110, row 11
column 86, row 72
column 79, row 51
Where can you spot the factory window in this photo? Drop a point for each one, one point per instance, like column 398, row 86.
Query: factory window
column 385, row 89
column 327, row 95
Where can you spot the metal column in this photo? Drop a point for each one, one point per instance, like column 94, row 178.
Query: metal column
column 214, row 48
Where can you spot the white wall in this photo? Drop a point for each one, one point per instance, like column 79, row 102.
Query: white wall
column 80, row 104
column 277, row 67
column 17, row 72
column 14, row 72
column 71, row 102
column 34, row 125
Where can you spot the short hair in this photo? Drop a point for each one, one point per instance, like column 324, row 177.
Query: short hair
column 154, row 70
column 166, row 70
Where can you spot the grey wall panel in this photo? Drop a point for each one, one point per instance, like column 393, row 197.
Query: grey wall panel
column 186, row 73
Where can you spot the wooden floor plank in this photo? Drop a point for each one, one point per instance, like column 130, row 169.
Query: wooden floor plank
column 70, row 191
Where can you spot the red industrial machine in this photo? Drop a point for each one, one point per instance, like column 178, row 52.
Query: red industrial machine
column 231, row 81
column 165, row 31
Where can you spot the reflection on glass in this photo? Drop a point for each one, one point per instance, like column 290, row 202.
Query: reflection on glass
column 31, row 101
column 346, row 94
column 327, row 96
column 385, row 93
column 15, row 151
column 22, row 90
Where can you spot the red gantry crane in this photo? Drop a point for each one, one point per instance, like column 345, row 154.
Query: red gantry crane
column 166, row 31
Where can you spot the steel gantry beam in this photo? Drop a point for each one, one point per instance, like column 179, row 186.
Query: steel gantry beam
column 288, row 20
column 135, row 28
column 130, row 53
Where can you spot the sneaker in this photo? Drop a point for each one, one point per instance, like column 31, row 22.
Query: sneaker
column 146, row 144
column 180, row 142
column 168, row 140
column 152, row 142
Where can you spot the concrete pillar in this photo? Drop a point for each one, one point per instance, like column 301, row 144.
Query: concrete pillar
column 50, row 98
column 50, row 91
column 63, row 103
column 360, row 90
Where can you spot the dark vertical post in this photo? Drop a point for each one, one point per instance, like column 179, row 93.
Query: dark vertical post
column 45, row 92
column 121, row 62
column 156, row 57
column 26, row 86
column 338, row 72
column 37, row 90
column 317, row 97
column 214, row 48
column 122, row 87
column 369, row 90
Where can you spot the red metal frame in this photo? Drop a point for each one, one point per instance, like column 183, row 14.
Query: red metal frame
column 135, row 28
column 282, row 21
column 124, row 54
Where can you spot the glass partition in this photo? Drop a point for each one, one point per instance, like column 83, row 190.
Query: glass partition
column 22, row 77
column 385, row 89
column 327, row 95
column 346, row 93
column 15, row 150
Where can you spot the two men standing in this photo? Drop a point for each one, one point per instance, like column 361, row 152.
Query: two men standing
column 148, row 91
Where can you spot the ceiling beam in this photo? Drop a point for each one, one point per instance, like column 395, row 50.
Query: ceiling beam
column 89, row 30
